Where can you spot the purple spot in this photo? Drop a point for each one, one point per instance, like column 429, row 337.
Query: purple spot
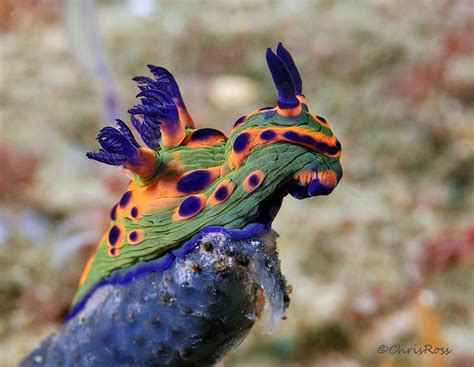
column 316, row 188
column 321, row 118
column 114, row 234
column 254, row 180
column 321, row 147
column 194, row 181
column 133, row 236
column 113, row 212
column 189, row 206
column 222, row 193
column 125, row 199
column 239, row 121
column 134, row 212
column 268, row 135
column 324, row 148
column 297, row 138
column 204, row 134
column 308, row 140
column 291, row 135
column 113, row 251
column 241, row 143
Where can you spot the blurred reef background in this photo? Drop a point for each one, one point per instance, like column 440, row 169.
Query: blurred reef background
column 386, row 259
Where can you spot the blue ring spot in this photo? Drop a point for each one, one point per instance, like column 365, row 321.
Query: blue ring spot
column 291, row 135
column 239, row 121
column 114, row 234
column 189, row 206
column 308, row 140
column 254, row 180
column 194, row 181
column 125, row 199
column 241, row 142
column 321, row 118
column 268, row 135
column 113, row 212
column 331, row 150
column 222, row 193
column 204, row 134
column 133, row 236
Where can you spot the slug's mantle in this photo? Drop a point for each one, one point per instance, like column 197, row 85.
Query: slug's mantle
column 186, row 179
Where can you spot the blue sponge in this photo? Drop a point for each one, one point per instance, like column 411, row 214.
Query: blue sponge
column 190, row 314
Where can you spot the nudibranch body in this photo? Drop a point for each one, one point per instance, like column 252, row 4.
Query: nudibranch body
column 186, row 180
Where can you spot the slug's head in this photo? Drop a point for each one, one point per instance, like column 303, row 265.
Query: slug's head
column 315, row 169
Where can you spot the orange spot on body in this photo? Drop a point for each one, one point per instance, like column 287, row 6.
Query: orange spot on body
column 253, row 181
column 113, row 252
column 322, row 122
column 115, row 236
column 167, row 187
column 136, row 236
column 222, row 192
column 134, row 213
column 237, row 157
column 190, row 207
column 210, row 141
column 289, row 112
column 161, row 193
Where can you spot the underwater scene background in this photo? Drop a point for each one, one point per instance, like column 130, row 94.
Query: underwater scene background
column 385, row 260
